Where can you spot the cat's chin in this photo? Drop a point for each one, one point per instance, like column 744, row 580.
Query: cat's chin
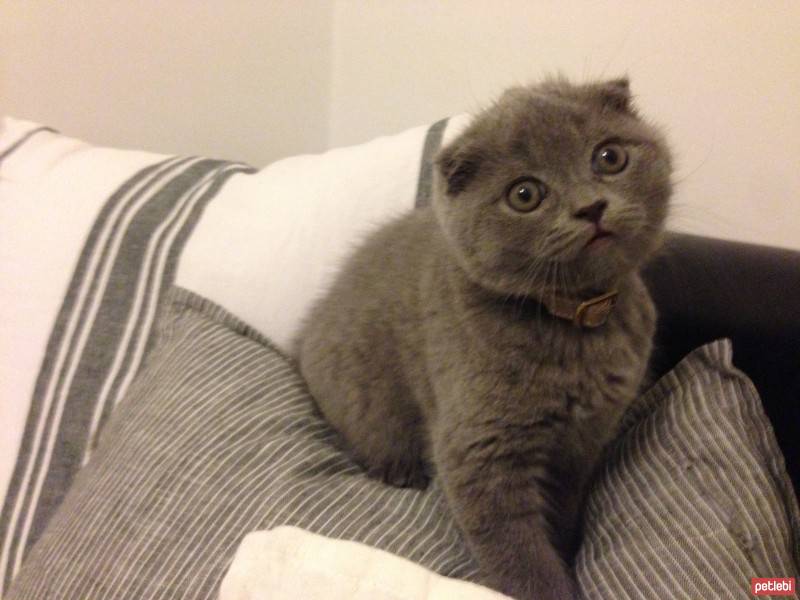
column 569, row 280
column 601, row 242
column 606, row 259
column 601, row 267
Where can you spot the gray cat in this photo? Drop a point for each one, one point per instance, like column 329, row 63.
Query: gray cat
column 499, row 334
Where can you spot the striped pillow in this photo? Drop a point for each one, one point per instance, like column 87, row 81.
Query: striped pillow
column 218, row 437
column 694, row 499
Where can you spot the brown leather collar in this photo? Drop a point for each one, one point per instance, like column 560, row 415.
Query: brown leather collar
column 584, row 313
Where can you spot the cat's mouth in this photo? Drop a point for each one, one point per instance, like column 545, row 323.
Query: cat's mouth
column 601, row 237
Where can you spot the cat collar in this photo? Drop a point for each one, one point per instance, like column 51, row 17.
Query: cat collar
column 584, row 313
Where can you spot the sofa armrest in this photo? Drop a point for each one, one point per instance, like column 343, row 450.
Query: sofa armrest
column 707, row 289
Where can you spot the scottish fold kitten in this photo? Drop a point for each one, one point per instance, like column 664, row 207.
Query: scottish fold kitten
column 497, row 336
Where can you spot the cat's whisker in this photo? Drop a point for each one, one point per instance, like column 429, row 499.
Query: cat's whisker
column 552, row 241
column 563, row 281
column 531, row 284
column 553, row 287
column 568, row 244
column 544, row 285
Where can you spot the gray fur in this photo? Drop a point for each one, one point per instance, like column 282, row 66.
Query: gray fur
column 432, row 350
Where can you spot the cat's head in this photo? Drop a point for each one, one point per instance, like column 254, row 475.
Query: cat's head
column 556, row 187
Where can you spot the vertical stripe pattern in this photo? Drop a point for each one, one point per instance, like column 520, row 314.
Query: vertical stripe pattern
column 433, row 140
column 101, row 336
column 218, row 437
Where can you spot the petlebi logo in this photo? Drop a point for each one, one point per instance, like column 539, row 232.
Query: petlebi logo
column 772, row 586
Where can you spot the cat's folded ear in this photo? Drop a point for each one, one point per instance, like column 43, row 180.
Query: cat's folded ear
column 615, row 94
column 458, row 164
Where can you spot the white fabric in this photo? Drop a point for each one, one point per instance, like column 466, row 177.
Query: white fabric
column 270, row 243
column 287, row 563
column 51, row 189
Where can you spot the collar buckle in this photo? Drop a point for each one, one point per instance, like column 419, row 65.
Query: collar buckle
column 594, row 312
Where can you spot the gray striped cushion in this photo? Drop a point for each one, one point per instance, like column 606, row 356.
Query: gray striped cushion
column 694, row 499
column 218, row 437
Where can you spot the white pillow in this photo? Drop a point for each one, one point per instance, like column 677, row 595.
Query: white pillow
column 270, row 243
column 277, row 564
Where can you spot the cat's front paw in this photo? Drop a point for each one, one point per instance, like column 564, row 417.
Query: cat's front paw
column 559, row 588
column 402, row 474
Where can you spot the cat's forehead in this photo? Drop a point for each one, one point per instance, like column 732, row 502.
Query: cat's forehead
column 540, row 121
column 553, row 128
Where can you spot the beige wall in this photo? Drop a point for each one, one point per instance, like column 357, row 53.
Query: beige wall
column 255, row 80
column 246, row 79
column 723, row 77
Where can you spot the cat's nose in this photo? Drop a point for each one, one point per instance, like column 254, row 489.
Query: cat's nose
column 592, row 212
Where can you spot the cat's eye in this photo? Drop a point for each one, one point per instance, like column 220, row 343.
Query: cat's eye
column 609, row 159
column 526, row 195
